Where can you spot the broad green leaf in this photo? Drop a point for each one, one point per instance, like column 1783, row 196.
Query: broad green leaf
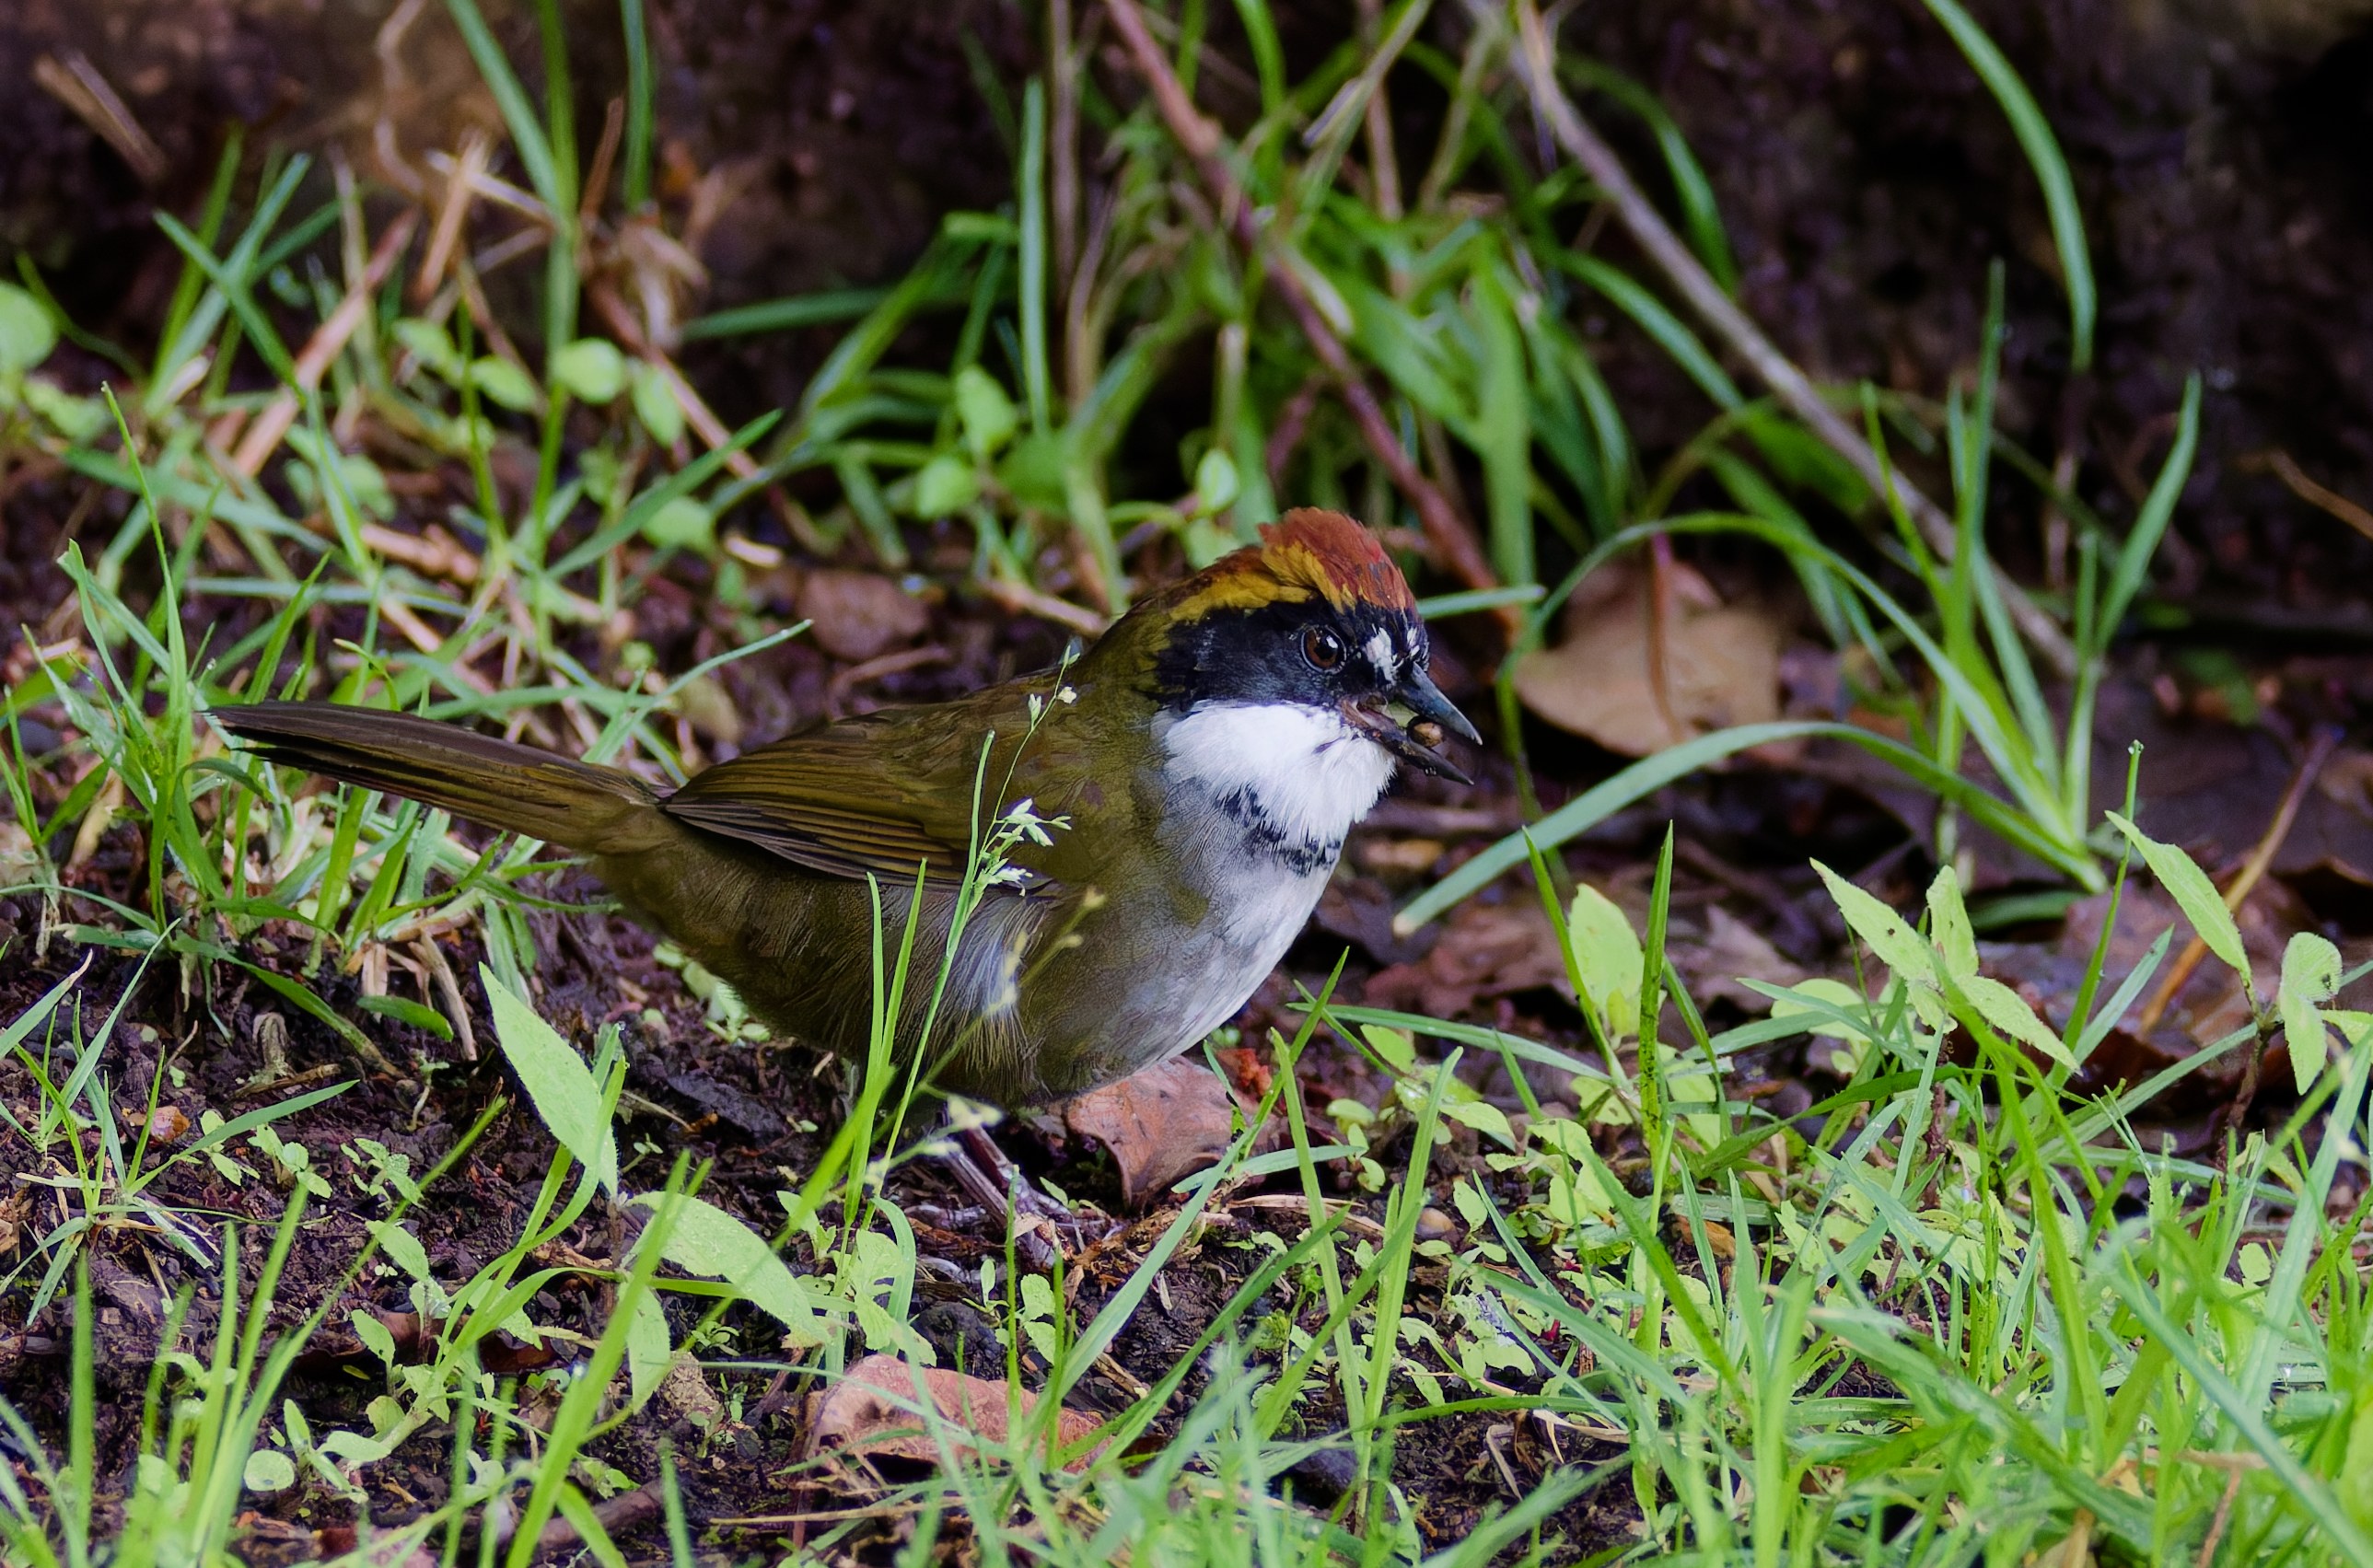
column 401, row 1248
column 2009, row 1014
column 1882, row 930
column 1398, row 1046
column 988, row 415
column 709, row 1242
column 1949, row 926
column 2310, row 975
column 1472, row 1111
column 374, row 1336
column 412, row 1012
column 1578, row 1194
column 1033, row 472
column 681, row 523
column 647, row 1351
column 1821, row 994
column 946, row 483
column 311, row 473
column 354, row 1449
column 267, row 1469
column 500, row 381
column 430, row 343
column 1606, row 955
column 79, row 419
column 27, row 334
column 1215, row 481
column 656, row 406
column 592, row 368
column 556, row 1081
column 2194, row 893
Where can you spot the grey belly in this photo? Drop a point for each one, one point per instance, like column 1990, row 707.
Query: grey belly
column 1145, row 1001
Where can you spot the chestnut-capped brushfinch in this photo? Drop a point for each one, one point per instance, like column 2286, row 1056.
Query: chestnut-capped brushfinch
column 1195, row 772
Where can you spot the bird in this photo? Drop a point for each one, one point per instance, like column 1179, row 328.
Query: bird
column 1166, row 807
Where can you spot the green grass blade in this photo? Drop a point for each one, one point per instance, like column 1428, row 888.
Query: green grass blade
column 535, row 151
column 1036, row 380
column 1268, row 54
column 2043, row 155
column 820, row 309
column 1503, row 429
column 1700, row 217
column 1664, row 328
column 636, row 186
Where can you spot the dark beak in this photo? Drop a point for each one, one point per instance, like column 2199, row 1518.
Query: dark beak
column 1430, row 715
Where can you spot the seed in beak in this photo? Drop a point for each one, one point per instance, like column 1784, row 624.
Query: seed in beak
column 1426, row 733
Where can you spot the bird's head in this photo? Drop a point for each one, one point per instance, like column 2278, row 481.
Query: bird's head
column 1313, row 630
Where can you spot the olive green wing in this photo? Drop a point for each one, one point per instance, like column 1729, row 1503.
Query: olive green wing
column 879, row 795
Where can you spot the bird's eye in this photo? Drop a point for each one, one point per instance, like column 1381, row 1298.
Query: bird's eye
column 1322, row 648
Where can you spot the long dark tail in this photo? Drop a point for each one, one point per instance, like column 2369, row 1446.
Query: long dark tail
column 500, row 784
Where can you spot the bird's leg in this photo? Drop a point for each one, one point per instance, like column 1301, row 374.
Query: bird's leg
column 996, row 1183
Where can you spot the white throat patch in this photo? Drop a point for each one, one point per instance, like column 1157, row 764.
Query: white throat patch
column 1296, row 776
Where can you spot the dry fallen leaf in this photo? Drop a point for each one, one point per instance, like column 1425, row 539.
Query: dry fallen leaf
column 859, row 616
column 874, row 1410
column 1714, row 966
column 1720, row 663
column 1485, row 950
column 1161, row 1125
column 14, row 1210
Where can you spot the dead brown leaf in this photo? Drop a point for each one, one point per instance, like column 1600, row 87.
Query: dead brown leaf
column 875, row 1409
column 1731, row 951
column 859, row 616
column 1161, row 1125
column 1719, row 664
column 1485, row 950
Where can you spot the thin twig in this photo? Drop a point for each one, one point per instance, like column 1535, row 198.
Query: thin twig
column 696, row 414
column 1450, row 535
column 395, row 87
column 328, row 341
column 2223, row 1517
column 1789, row 384
column 2316, row 496
column 1063, row 61
column 74, row 81
column 460, row 188
column 1384, row 163
column 1082, row 335
column 616, row 1515
column 1045, row 607
column 448, row 990
column 606, row 159
column 2078, row 1548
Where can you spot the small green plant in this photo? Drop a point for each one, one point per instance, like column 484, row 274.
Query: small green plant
column 100, row 1167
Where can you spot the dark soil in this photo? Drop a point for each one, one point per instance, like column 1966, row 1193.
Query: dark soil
column 1867, row 181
